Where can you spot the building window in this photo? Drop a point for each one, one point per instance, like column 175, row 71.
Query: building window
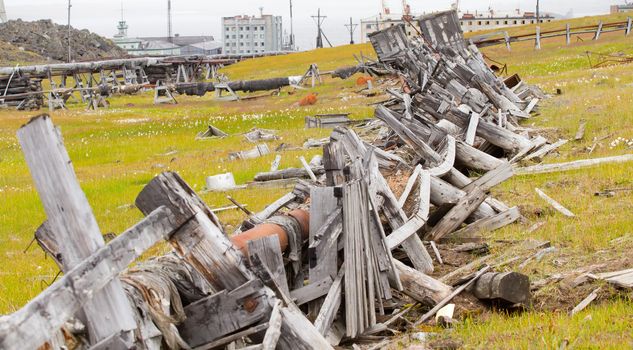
column 248, row 28
column 515, row 22
column 523, row 22
column 228, row 36
column 262, row 28
column 479, row 23
column 241, row 28
column 470, row 23
column 262, row 44
column 226, row 29
column 498, row 22
column 241, row 44
column 256, row 44
column 505, row 22
column 487, row 22
column 241, row 36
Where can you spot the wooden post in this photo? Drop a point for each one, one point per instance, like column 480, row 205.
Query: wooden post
column 537, row 42
column 507, row 40
column 568, row 34
column 200, row 241
column 71, row 219
column 629, row 24
column 598, row 31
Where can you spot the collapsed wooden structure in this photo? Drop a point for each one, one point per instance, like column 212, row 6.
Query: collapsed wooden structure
column 324, row 264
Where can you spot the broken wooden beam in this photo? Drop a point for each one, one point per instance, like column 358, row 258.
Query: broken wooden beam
column 575, row 165
column 559, row 207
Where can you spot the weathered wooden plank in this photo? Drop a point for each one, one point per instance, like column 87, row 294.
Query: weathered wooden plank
column 492, row 178
column 585, row 302
column 297, row 333
column 224, row 313
column 471, row 132
column 490, row 224
column 324, row 262
column 200, row 241
column 334, row 163
column 72, row 221
column 575, row 165
column 419, row 219
column 545, row 150
column 48, row 311
column 274, row 331
column 413, row 246
column 312, row 291
column 554, row 204
column 269, row 251
column 233, row 337
column 331, row 304
column 308, row 169
column 456, row 216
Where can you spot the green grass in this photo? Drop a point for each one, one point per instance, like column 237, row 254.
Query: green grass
column 116, row 151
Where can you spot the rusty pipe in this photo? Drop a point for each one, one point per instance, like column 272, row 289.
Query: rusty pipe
column 266, row 230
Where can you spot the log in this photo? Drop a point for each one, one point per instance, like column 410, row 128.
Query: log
column 421, row 287
column 456, row 216
column 555, row 204
column 72, row 221
column 509, row 287
column 290, row 173
column 490, row 224
column 575, row 165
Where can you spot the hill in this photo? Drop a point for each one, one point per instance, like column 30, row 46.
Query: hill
column 48, row 40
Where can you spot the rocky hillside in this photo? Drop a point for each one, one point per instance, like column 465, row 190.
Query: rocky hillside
column 48, row 40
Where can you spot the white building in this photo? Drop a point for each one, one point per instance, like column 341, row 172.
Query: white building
column 470, row 22
column 628, row 7
column 249, row 34
column 3, row 12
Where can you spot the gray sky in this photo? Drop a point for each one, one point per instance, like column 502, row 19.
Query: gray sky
column 198, row 17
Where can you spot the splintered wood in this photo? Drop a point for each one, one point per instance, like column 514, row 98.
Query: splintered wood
column 327, row 262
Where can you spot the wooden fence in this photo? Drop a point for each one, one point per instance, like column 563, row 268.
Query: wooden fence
column 597, row 30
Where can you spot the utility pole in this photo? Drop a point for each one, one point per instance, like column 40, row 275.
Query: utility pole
column 538, row 12
column 169, row 27
column 319, row 21
column 69, row 32
column 292, row 31
column 352, row 28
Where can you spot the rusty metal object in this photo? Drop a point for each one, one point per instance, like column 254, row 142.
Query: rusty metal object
column 268, row 229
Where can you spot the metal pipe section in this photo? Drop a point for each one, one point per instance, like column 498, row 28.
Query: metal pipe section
column 302, row 217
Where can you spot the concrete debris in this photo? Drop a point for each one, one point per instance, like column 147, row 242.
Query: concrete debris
column 261, row 135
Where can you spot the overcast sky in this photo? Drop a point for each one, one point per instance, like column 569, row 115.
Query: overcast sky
column 202, row 17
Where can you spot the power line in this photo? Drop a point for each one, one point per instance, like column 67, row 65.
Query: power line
column 352, row 28
column 319, row 21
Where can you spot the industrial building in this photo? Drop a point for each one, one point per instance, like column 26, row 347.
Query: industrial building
column 627, row 7
column 250, row 34
column 469, row 21
column 165, row 46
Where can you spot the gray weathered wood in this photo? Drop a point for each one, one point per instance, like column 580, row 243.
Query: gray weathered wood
column 297, row 333
column 490, row 224
column 419, row 219
column 471, row 132
column 325, row 263
column 585, row 302
column 224, row 313
column 446, row 300
column 200, row 241
column 421, row 287
column 456, row 216
column 72, row 221
column 555, row 204
column 492, row 178
column 331, row 304
column 575, row 165
column 545, row 150
column 233, row 337
column 308, row 169
column 334, row 163
column 269, row 251
column 33, row 325
column 312, row 291
column 274, row 331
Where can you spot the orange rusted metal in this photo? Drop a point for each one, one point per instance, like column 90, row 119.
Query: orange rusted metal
column 265, row 230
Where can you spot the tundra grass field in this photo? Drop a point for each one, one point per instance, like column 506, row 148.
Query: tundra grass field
column 116, row 151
